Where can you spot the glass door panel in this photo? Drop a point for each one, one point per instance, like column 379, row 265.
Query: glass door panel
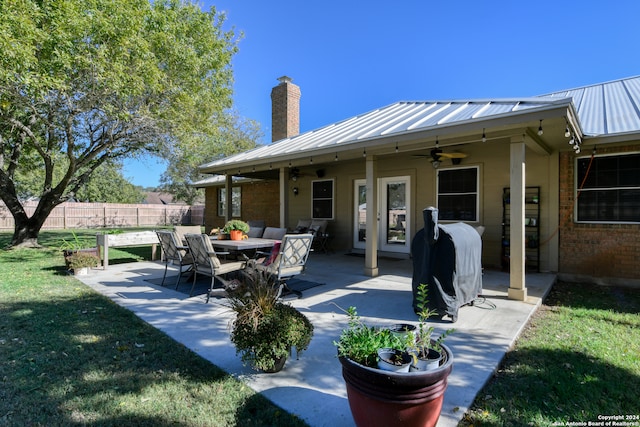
column 360, row 209
column 394, row 221
column 393, row 225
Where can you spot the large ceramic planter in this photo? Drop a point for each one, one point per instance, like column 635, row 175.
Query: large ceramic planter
column 385, row 399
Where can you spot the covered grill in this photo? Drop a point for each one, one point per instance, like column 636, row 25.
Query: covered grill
column 448, row 259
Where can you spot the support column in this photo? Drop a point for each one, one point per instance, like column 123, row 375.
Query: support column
column 284, row 196
column 228, row 188
column 517, row 286
column 371, row 248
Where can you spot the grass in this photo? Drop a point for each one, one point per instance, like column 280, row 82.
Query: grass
column 70, row 356
column 577, row 360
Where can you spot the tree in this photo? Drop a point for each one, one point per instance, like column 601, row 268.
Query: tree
column 234, row 134
column 106, row 185
column 94, row 81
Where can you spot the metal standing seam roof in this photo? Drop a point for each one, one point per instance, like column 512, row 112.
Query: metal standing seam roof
column 607, row 108
column 603, row 109
column 398, row 118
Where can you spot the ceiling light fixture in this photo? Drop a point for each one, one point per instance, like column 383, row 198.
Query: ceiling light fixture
column 484, row 136
column 540, row 131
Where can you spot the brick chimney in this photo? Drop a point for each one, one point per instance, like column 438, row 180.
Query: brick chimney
column 285, row 109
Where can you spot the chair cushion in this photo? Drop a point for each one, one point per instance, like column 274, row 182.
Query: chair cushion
column 255, row 231
column 259, row 223
column 318, row 225
column 275, row 250
column 303, row 225
column 274, row 233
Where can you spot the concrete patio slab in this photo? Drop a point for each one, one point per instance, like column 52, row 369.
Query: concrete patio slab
column 312, row 386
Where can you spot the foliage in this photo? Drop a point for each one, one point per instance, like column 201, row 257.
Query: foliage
column 234, row 134
column 421, row 342
column 106, row 185
column 93, row 82
column 360, row 342
column 265, row 329
column 79, row 260
column 236, row 224
column 75, row 243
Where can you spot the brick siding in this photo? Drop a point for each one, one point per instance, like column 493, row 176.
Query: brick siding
column 260, row 200
column 597, row 250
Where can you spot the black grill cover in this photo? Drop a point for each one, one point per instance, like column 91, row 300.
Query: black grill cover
column 448, row 259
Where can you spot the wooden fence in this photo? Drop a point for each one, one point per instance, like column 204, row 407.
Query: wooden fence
column 110, row 215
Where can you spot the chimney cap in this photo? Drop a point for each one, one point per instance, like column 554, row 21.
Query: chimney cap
column 285, row 79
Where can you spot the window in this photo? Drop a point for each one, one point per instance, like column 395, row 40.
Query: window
column 458, row 194
column 610, row 189
column 235, row 200
column 322, row 199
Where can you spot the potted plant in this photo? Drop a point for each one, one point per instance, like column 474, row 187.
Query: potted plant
column 80, row 262
column 383, row 398
column 426, row 352
column 265, row 330
column 76, row 245
column 236, row 228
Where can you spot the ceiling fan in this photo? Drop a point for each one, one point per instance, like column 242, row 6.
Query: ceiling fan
column 437, row 155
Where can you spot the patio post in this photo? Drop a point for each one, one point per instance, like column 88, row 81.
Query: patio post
column 284, row 196
column 517, row 286
column 371, row 248
column 228, row 188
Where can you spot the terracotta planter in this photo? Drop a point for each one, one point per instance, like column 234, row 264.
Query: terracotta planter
column 382, row 398
column 235, row 234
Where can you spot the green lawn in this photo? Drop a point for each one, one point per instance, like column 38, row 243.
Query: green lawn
column 578, row 359
column 70, row 356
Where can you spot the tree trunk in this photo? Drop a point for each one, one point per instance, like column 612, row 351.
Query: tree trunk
column 27, row 229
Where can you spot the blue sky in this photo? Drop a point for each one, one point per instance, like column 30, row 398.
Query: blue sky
column 350, row 57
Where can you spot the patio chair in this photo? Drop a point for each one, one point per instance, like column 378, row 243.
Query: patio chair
column 206, row 261
column 287, row 260
column 181, row 230
column 173, row 252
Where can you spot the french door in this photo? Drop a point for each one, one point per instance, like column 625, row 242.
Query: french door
column 393, row 214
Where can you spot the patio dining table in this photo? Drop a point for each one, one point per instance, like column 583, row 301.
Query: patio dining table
column 250, row 243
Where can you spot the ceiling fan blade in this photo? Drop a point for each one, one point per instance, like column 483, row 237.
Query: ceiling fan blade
column 453, row 155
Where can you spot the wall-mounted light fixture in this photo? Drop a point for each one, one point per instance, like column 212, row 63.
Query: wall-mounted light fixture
column 295, row 191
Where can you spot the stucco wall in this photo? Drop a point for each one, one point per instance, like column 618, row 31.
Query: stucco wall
column 597, row 250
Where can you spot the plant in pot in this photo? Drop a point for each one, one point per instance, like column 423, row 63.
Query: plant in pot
column 384, row 398
column 265, row 330
column 426, row 352
column 236, row 228
column 76, row 245
column 80, row 262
